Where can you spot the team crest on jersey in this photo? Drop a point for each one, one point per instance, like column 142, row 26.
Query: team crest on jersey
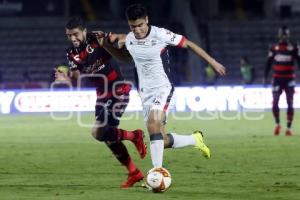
column 173, row 38
column 89, row 49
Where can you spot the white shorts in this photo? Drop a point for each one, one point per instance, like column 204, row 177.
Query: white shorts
column 156, row 99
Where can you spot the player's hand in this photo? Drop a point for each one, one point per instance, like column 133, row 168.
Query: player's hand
column 118, row 39
column 100, row 37
column 219, row 68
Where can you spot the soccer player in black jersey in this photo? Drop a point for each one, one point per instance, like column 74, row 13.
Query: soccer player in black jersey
column 87, row 57
column 281, row 59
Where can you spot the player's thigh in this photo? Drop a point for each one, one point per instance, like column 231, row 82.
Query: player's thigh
column 290, row 90
column 157, row 102
column 109, row 111
column 98, row 130
column 277, row 88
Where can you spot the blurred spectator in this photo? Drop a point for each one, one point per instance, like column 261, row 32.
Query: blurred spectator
column 247, row 71
column 1, row 78
column 210, row 75
column 26, row 76
column 59, row 71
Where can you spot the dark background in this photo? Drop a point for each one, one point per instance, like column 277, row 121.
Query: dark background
column 33, row 40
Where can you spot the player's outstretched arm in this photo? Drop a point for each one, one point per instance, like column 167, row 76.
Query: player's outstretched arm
column 115, row 45
column 219, row 68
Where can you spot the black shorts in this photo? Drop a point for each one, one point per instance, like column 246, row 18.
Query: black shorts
column 109, row 110
column 287, row 85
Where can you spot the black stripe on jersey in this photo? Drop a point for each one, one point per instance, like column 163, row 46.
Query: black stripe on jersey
column 285, row 72
column 165, row 58
column 283, row 52
column 284, row 63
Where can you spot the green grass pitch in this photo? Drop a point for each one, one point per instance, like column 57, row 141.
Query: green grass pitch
column 41, row 159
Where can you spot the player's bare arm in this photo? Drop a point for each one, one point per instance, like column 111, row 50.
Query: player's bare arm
column 115, row 45
column 219, row 68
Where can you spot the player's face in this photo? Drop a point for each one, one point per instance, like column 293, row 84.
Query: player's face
column 76, row 36
column 139, row 27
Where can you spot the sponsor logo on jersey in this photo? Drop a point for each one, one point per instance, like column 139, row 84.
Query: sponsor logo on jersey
column 173, row 38
column 72, row 65
column 89, row 49
column 141, row 42
column 96, row 67
column 283, row 58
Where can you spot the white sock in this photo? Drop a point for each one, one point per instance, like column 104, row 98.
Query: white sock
column 157, row 152
column 183, row 140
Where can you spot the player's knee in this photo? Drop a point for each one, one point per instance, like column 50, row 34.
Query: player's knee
column 98, row 134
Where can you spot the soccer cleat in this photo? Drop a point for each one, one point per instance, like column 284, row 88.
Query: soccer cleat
column 288, row 132
column 139, row 143
column 200, row 145
column 134, row 177
column 277, row 130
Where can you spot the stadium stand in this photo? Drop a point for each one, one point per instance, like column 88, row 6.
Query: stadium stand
column 34, row 46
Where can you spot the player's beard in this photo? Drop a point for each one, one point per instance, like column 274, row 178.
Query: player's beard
column 78, row 43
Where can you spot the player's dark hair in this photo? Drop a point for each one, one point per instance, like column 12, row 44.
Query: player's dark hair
column 284, row 30
column 136, row 11
column 75, row 22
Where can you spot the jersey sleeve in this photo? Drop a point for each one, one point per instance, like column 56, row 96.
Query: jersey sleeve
column 271, row 52
column 297, row 52
column 170, row 38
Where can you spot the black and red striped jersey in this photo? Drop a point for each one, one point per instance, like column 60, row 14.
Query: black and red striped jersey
column 282, row 58
column 96, row 63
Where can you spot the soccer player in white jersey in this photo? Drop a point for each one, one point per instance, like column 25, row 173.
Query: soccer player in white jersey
column 146, row 45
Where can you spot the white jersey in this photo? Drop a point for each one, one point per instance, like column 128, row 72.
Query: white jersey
column 147, row 55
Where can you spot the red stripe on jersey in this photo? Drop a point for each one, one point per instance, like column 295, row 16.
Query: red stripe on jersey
column 113, row 75
column 180, row 44
column 126, row 88
column 283, row 67
column 283, row 75
column 83, row 54
column 119, row 90
column 102, row 95
column 162, row 50
column 94, row 45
